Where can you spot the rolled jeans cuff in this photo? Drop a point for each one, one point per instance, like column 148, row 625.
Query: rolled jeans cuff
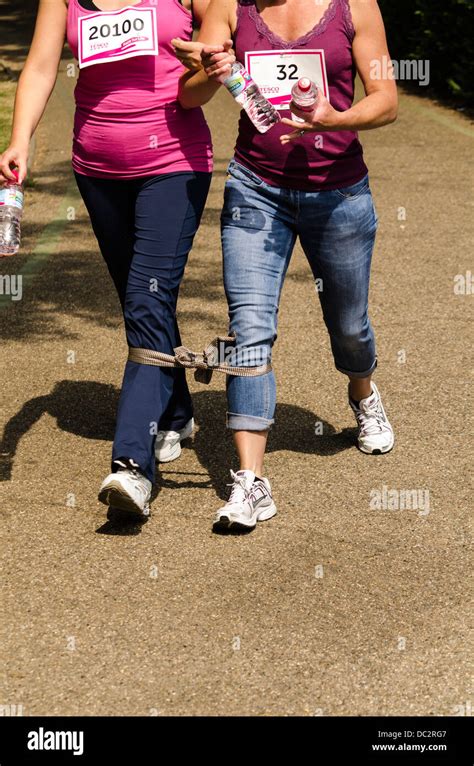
column 247, row 422
column 358, row 374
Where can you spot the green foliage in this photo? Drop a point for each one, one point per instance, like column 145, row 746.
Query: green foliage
column 441, row 31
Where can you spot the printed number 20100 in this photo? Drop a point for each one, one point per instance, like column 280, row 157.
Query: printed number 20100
column 117, row 29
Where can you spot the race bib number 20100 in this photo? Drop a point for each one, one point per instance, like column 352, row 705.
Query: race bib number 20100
column 117, row 35
column 275, row 72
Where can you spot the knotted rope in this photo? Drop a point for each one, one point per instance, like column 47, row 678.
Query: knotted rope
column 204, row 363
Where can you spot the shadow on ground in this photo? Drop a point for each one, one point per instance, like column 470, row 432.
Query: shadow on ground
column 88, row 409
column 294, row 431
column 84, row 408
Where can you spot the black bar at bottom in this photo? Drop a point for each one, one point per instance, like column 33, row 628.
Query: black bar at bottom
column 79, row 740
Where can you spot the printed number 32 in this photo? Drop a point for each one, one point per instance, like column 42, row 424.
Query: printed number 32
column 287, row 75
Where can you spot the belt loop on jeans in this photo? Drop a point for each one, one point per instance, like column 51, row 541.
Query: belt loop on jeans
column 204, row 363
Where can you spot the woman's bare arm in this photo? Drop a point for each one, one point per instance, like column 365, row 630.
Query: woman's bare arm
column 380, row 105
column 189, row 52
column 35, row 85
column 196, row 88
column 199, row 8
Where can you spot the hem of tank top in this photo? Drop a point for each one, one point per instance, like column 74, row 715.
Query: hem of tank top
column 332, row 187
column 116, row 177
column 318, row 29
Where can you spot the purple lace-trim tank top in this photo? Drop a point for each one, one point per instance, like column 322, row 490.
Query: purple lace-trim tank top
column 316, row 162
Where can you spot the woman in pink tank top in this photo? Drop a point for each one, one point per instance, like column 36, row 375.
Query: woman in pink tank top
column 128, row 121
column 309, row 183
column 143, row 166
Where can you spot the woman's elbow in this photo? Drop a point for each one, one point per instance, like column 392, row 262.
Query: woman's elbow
column 391, row 111
column 186, row 93
column 183, row 96
column 185, row 102
column 394, row 110
column 392, row 116
column 393, row 105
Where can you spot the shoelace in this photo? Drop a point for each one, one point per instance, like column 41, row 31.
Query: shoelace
column 140, row 486
column 371, row 420
column 239, row 491
column 126, row 466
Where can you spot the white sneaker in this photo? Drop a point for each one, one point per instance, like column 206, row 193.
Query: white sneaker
column 250, row 501
column 168, row 443
column 127, row 489
column 375, row 432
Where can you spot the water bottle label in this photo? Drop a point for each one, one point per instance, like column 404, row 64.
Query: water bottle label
column 275, row 72
column 237, row 83
column 11, row 197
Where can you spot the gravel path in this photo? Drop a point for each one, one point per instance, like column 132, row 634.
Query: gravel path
column 334, row 607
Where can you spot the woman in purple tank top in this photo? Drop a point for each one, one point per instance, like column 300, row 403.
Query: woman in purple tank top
column 309, row 182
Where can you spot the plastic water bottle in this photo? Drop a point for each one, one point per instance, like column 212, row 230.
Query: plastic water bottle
column 304, row 95
column 11, row 210
column 247, row 93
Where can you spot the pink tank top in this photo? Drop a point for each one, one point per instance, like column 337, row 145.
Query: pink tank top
column 128, row 122
column 315, row 162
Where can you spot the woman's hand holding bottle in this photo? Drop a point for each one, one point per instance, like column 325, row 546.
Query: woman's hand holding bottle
column 324, row 117
column 13, row 165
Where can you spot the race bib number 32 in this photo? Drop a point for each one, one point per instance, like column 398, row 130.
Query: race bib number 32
column 117, row 35
column 275, row 72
